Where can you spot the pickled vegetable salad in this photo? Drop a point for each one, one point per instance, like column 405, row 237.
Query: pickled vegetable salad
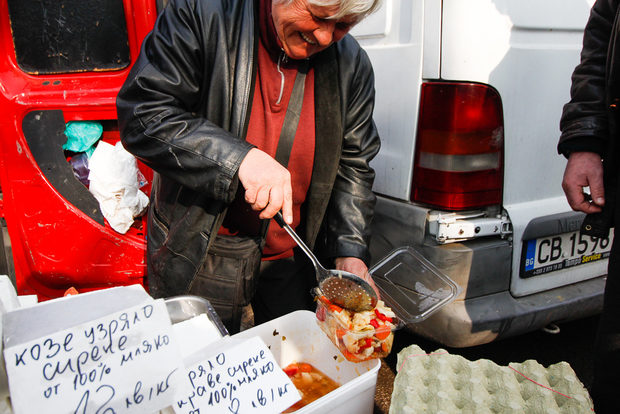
column 359, row 335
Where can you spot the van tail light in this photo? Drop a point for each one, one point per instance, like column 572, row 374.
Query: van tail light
column 459, row 159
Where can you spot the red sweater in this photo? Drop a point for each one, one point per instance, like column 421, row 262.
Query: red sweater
column 266, row 120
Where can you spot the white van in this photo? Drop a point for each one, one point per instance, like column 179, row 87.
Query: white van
column 469, row 97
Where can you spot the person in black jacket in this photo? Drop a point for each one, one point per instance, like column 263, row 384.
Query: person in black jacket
column 589, row 140
column 204, row 105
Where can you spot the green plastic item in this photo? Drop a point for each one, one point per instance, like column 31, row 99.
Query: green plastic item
column 82, row 136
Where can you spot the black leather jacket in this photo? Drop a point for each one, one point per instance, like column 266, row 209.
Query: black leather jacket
column 590, row 120
column 184, row 111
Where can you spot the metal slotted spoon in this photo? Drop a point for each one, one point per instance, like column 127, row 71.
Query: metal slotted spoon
column 341, row 288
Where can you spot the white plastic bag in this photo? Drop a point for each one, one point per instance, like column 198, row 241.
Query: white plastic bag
column 114, row 183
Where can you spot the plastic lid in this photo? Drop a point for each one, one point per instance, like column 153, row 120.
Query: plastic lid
column 411, row 285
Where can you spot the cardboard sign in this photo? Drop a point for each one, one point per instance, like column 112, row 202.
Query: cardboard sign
column 125, row 362
column 244, row 378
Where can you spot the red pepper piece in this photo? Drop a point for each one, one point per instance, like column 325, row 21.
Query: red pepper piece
column 303, row 367
column 291, row 369
column 367, row 343
column 348, row 355
column 382, row 316
column 374, row 323
column 335, row 308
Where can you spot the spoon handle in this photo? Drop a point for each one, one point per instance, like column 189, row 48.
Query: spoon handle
column 280, row 220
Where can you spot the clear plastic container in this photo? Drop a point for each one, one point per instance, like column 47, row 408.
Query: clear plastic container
column 411, row 287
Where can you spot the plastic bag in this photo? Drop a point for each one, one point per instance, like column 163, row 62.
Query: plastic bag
column 114, row 181
column 82, row 136
column 79, row 163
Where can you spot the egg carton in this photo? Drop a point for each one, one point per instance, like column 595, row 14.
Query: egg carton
column 441, row 383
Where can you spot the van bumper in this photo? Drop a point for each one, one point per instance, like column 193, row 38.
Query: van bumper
column 470, row 322
column 485, row 310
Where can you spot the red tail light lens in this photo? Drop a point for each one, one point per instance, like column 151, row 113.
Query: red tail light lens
column 459, row 157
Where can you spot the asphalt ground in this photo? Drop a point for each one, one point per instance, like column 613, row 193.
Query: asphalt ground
column 573, row 344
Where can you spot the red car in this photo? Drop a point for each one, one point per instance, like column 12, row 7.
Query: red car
column 61, row 61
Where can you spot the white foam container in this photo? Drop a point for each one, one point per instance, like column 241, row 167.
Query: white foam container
column 296, row 337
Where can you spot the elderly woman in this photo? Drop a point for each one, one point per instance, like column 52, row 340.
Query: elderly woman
column 205, row 106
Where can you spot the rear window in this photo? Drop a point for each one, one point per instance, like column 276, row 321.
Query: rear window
column 65, row 36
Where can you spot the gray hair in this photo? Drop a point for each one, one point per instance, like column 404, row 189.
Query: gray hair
column 360, row 8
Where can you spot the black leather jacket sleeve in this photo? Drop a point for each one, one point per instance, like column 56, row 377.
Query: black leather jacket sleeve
column 584, row 122
column 161, row 106
column 352, row 202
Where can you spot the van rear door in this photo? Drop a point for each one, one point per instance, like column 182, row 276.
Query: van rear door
column 527, row 51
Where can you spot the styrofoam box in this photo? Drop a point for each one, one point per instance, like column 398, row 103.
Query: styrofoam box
column 296, row 337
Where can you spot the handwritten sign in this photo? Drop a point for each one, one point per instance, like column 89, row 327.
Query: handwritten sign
column 125, row 362
column 242, row 379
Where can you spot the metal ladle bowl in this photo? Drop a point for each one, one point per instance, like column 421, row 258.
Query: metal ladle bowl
column 341, row 288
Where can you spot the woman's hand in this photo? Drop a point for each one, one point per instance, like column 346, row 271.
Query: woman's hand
column 358, row 268
column 267, row 185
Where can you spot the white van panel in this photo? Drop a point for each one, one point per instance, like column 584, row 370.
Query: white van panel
column 395, row 116
column 431, row 60
column 551, row 14
column 477, row 34
column 539, row 65
column 393, row 39
column 526, row 64
column 377, row 25
column 529, row 58
column 475, row 39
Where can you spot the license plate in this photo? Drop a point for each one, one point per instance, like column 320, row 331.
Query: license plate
column 562, row 251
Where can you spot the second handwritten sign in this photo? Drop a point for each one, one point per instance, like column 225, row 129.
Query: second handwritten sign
column 244, row 378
